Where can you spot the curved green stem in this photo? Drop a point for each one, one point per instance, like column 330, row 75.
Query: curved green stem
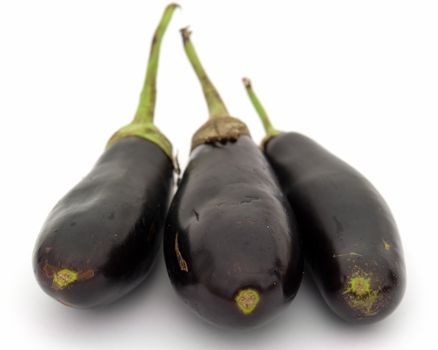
column 270, row 130
column 143, row 123
column 146, row 106
column 216, row 106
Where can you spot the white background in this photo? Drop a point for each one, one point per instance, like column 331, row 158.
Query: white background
column 360, row 77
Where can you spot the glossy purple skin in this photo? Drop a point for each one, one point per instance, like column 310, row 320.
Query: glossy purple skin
column 348, row 231
column 108, row 227
column 230, row 228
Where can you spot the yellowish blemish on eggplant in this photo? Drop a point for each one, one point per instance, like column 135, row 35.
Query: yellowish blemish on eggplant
column 386, row 245
column 247, row 300
column 181, row 262
column 359, row 285
column 360, row 294
column 63, row 278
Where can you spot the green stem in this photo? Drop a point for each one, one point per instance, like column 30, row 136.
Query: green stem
column 143, row 123
column 146, row 106
column 216, row 106
column 270, row 130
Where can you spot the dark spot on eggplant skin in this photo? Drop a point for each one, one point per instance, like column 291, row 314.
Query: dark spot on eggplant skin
column 154, row 40
column 196, row 215
column 339, row 226
column 393, row 277
column 249, row 199
column 111, row 216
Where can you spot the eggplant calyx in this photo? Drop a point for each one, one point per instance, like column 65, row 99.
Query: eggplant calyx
column 219, row 129
column 147, row 131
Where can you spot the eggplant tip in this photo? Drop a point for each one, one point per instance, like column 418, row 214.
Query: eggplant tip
column 175, row 5
column 361, row 296
column 185, row 33
column 63, row 278
column 246, row 82
column 247, row 300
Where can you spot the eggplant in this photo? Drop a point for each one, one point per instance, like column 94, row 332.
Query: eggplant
column 230, row 244
column 101, row 239
column 351, row 242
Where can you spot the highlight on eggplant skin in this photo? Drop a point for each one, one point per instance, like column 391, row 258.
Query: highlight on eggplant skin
column 101, row 239
column 351, row 241
column 231, row 245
